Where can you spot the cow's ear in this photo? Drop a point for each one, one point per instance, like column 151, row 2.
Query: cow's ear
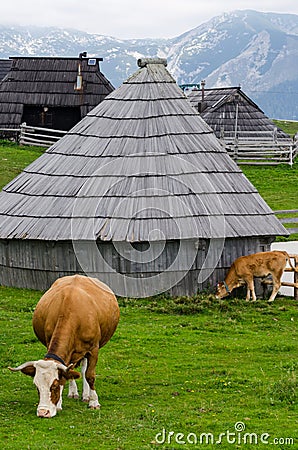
column 29, row 370
column 70, row 374
column 73, row 374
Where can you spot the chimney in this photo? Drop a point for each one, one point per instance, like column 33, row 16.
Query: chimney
column 202, row 104
column 203, row 83
column 79, row 82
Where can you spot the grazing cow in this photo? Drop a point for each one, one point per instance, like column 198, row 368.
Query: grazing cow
column 73, row 319
column 244, row 269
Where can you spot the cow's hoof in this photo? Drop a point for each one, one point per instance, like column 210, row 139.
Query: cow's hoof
column 94, row 406
column 86, row 400
column 75, row 396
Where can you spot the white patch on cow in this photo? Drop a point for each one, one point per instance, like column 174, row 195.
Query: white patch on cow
column 89, row 396
column 59, row 404
column 93, row 400
column 45, row 375
column 86, row 387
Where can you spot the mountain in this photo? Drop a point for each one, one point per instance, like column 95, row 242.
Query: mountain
column 258, row 51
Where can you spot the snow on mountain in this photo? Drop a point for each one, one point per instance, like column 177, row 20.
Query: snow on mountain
column 258, row 51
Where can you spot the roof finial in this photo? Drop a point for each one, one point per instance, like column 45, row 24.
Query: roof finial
column 142, row 62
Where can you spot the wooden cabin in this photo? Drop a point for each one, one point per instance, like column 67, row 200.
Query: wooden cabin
column 51, row 92
column 139, row 193
column 241, row 125
column 230, row 110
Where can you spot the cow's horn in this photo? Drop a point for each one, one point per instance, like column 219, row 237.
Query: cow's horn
column 22, row 366
column 62, row 367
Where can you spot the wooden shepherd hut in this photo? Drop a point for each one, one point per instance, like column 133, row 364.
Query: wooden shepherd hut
column 139, row 193
column 51, row 92
column 241, row 125
column 229, row 109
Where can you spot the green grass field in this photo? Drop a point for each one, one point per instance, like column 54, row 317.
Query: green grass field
column 192, row 366
column 288, row 126
column 276, row 184
column 14, row 158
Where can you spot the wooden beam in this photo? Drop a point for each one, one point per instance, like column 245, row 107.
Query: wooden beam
column 288, row 283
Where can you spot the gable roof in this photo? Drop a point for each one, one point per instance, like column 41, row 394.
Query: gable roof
column 50, row 81
column 143, row 160
column 219, row 111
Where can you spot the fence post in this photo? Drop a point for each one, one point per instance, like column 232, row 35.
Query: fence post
column 296, row 277
column 291, row 155
column 22, row 133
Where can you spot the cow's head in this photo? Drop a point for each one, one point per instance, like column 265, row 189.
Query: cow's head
column 222, row 290
column 49, row 377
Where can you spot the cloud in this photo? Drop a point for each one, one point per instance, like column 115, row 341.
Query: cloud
column 132, row 18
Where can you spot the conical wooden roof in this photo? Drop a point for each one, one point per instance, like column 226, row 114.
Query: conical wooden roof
column 140, row 166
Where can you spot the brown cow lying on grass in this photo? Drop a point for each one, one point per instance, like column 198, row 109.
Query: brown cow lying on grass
column 244, row 269
column 73, row 319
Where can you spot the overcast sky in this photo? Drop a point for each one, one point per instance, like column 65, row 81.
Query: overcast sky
column 130, row 18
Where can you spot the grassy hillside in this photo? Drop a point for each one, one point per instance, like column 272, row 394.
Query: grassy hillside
column 278, row 186
column 288, row 126
column 190, row 366
column 14, row 158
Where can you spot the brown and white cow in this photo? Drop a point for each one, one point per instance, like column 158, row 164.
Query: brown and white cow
column 244, row 269
column 73, row 319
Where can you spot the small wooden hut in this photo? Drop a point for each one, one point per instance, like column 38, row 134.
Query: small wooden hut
column 247, row 133
column 51, row 92
column 139, row 193
column 229, row 110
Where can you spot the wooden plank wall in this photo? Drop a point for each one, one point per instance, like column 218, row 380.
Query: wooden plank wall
column 37, row 264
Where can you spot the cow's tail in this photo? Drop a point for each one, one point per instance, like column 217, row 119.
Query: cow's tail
column 290, row 262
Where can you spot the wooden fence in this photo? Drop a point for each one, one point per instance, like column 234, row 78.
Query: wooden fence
column 42, row 137
column 293, row 284
column 10, row 133
column 261, row 148
column 245, row 147
column 291, row 218
column 28, row 135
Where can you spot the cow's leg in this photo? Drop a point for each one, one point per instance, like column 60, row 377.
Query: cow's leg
column 250, row 289
column 59, row 404
column 86, row 387
column 73, row 389
column 247, row 292
column 253, row 293
column 276, row 286
column 90, row 378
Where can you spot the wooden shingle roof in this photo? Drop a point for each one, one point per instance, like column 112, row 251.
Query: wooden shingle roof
column 5, row 65
column 49, row 81
column 143, row 160
column 219, row 111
